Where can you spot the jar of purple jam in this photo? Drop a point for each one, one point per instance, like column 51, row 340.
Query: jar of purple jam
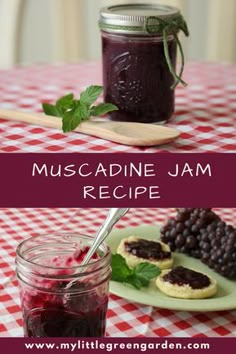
column 139, row 44
column 59, row 296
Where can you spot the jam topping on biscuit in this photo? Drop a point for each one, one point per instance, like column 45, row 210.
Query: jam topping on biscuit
column 147, row 249
column 184, row 276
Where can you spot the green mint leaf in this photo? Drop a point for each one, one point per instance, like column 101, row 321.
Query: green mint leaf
column 135, row 282
column 74, row 117
column 146, row 270
column 103, row 108
column 138, row 277
column 120, row 270
column 66, row 102
column 73, row 111
column 70, row 122
column 91, row 94
column 51, row 110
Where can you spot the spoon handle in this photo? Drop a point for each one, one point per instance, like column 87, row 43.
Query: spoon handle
column 115, row 214
column 126, row 133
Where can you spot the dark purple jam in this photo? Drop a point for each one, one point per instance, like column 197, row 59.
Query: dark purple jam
column 147, row 249
column 58, row 315
column 184, row 276
column 137, row 79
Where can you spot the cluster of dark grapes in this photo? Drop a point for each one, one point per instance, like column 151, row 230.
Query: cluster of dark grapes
column 200, row 233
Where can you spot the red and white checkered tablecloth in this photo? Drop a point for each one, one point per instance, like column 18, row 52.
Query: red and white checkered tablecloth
column 125, row 319
column 205, row 110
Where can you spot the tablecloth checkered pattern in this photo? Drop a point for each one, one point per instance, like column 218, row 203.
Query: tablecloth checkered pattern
column 125, row 319
column 205, row 110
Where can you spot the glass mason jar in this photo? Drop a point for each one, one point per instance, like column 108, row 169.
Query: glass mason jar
column 51, row 308
column 139, row 45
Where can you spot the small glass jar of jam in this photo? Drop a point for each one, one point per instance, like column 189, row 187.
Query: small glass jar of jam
column 139, row 43
column 59, row 296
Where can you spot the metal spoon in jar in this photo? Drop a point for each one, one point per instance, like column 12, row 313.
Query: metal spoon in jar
column 114, row 215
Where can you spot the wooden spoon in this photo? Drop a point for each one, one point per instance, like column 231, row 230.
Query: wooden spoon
column 126, row 133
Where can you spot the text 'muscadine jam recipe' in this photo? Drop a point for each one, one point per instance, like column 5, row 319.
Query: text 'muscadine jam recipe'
column 116, row 171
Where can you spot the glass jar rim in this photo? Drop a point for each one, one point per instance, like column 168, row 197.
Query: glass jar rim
column 22, row 261
column 136, row 18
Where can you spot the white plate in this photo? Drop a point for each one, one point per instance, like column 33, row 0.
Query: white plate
column 225, row 298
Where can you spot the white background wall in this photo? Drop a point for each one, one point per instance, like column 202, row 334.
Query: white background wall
column 66, row 30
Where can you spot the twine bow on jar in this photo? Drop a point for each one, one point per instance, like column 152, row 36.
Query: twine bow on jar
column 154, row 25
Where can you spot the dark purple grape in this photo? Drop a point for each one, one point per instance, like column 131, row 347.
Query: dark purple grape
column 173, row 233
column 200, row 233
column 206, row 247
column 180, row 240
column 186, row 232
column 191, row 242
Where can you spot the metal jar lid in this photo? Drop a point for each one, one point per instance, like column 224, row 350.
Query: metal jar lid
column 139, row 19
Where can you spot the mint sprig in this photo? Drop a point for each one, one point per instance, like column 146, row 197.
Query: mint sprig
column 138, row 277
column 73, row 111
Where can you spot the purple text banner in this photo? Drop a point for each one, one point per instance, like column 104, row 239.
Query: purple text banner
column 118, row 180
column 118, row 345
